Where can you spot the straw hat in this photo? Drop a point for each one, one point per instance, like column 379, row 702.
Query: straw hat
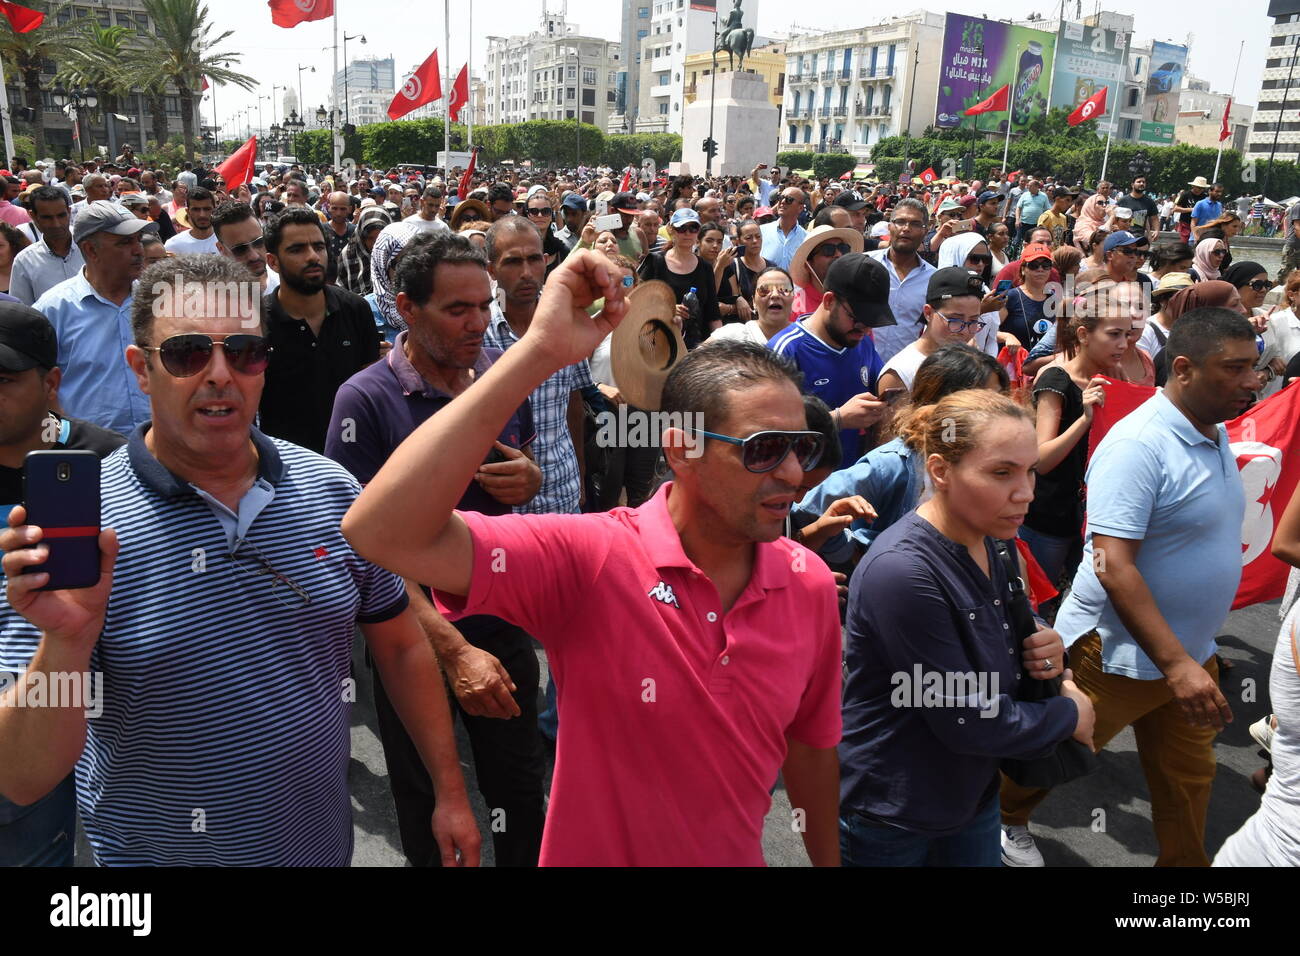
column 798, row 265
column 646, row 345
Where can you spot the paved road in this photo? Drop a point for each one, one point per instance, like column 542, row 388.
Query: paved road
column 1063, row 825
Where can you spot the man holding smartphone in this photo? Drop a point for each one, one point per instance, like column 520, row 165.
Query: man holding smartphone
column 42, row 833
column 222, row 628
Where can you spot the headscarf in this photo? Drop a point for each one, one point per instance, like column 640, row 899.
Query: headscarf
column 1091, row 217
column 955, row 249
column 1211, row 293
column 1204, row 265
column 1239, row 273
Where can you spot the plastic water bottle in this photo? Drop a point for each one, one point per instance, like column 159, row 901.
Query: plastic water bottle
column 692, row 303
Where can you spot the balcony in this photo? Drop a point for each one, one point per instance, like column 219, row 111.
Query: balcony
column 824, row 111
column 844, row 76
column 879, row 73
column 829, row 74
column 841, row 111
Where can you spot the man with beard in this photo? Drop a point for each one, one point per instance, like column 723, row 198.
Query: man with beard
column 833, row 350
column 91, row 315
column 320, row 335
column 200, row 237
column 239, row 237
column 1146, row 215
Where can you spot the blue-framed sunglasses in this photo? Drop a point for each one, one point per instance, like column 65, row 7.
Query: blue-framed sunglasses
column 763, row 451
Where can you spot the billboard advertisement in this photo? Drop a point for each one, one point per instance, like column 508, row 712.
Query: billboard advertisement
column 1088, row 58
column 1160, row 108
column 979, row 57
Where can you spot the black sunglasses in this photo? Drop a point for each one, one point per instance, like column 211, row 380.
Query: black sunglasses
column 764, row 451
column 540, row 212
column 1261, row 285
column 980, row 257
column 830, row 248
column 184, row 356
column 242, row 248
column 688, row 227
column 1038, row 264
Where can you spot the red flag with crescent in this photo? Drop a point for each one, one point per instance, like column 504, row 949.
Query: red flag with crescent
column 459, row 94
column 421, row 87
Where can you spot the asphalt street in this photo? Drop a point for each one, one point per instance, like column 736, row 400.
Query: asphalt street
column 1068, row 827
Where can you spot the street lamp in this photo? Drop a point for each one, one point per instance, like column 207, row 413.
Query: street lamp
column 347, row 116
column 292, row 126
column 73, row 101
column 301, row 69
column 277, row 138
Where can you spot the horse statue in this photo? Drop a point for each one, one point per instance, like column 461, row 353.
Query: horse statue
column 735, row 39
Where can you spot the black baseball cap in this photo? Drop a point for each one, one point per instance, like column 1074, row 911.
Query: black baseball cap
column 1061, row 192
column 27, row 339
column 953, row 281
column 625, row 202
column 850, row 200
column 863, row 284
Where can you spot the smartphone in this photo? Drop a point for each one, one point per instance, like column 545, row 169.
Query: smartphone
column 962, row 225
column 1004, row 287
column 602, row 207
column 494, row 456
column 891, row 395
column 726, row 242
column 61, row 494
column 609, row 222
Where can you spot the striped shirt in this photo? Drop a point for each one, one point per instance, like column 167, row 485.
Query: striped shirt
column 224, row 735
column 561, row 479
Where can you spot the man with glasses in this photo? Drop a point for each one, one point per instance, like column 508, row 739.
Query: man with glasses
column 693, row 606
column 782, row 237
column 222, row 628
column 909, row 278
column 239, row 237
column 322, row 335
column 91, row 315
column 1122, row 252
column 833, row 350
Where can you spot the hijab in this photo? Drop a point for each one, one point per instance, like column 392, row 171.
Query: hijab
column 955, row 249
column 1091, row 216
column 1204, row 265
column 1239, row 273
column 1209, row 293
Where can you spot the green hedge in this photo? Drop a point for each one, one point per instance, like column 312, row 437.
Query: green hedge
column 832, row 165
column 796, row 159
column 549, row 142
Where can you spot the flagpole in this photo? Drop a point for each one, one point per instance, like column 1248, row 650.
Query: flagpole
column 446, row 87
column 4, row 119
column 1228, row 109
column 1110, row 128
column 334, row 78
column 469, row 99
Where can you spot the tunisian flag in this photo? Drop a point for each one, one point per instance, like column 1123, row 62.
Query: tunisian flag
column 290, row 13
column 22, row 19
column 422, row 86
column 929, row 175
column 1224, row 130
column 997, row 103
column 1265, row 440
column 1093, row 106
column 459, row 93
column 239, row 168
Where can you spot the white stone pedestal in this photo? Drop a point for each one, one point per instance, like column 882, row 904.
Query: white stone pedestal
column 745, row 125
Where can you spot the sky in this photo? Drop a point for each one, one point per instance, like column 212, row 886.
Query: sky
column 408, row 31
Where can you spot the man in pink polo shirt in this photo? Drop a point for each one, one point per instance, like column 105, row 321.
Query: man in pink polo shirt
column 697, row 651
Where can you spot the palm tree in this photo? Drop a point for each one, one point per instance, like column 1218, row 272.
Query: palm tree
column 96, row 60
column 180, row 53
column 25, row 53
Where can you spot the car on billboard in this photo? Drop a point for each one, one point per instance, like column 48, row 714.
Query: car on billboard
column 1166, row 79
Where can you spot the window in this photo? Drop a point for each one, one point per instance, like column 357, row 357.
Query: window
column 807, row 134
column 588, row 97
column 884, row 97
column 875, row 54
column 589, row 75
column 797, row 94
column 568, row 114
column 1132, row 97
column 663, row 79
column 588, row 117
column 572, row 72
column 889, row 64
column 643, row 11
column 568, row 93
column 663, row 109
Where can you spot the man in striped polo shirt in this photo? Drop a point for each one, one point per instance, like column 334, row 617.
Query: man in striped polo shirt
column 221, row 626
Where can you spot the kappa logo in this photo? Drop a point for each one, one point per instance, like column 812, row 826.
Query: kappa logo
column 412, row 87
column 663, row 592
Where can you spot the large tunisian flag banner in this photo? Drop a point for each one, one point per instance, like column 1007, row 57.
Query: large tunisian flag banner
column 1266, row 441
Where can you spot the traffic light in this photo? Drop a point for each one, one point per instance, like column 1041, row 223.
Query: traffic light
column 710, row 147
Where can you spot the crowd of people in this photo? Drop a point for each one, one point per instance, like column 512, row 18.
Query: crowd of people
column 384, row 409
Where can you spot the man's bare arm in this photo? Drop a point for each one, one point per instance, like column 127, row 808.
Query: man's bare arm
column 812, row 782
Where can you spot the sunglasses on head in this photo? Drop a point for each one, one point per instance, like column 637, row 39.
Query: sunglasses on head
column 187, row 355
column 763, row 451
column 831, row 248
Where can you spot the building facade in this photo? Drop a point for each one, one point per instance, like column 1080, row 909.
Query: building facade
column 1277, row 117
column 553, row 73
column 847, row 90
column 1200, row 118
column 635, row 28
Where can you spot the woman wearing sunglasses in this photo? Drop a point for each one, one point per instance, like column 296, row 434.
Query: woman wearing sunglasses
column 1208, row 261
column 773, row 297
column 683, row 270
column 935, row 671
column 1026, row 319
column 1252, row 283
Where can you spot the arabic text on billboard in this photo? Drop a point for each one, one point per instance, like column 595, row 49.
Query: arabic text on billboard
column 981, row 56
column 1160, row 108
column 1088, row 58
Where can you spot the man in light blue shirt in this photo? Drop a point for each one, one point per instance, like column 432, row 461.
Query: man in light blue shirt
column 91, row 314
column 51, row 259
column 1160, row 569
column 909, row 277
column 1033, row 202
column 783, row 236
column 1207, row 210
